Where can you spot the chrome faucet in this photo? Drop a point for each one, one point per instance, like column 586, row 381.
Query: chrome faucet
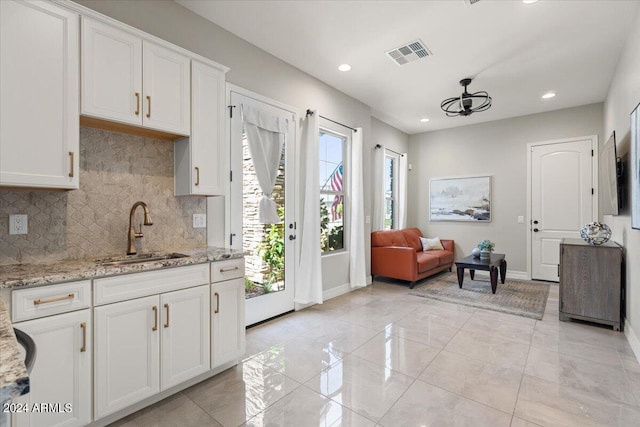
column 132, row 231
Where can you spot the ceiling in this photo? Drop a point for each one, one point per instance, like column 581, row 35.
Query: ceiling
column 515, row 51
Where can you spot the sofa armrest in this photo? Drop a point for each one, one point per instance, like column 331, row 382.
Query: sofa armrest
column 448, row 245
column 398, row 262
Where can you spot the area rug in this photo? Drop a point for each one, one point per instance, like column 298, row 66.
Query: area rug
column 520, row 297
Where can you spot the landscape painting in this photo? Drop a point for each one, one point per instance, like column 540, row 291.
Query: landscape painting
column 460, row 199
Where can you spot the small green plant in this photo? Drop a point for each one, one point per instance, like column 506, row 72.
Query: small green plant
column 486, row 245
column 249, row 286
column 267, row 287
column 272, row 251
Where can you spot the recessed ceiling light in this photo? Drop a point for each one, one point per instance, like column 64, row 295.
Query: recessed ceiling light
column 529, row 1
column 425, row 120
column 344, row 67
column 548, row 95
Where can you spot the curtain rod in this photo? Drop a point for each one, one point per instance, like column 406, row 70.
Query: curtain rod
column 388, row 149
column 310, row 113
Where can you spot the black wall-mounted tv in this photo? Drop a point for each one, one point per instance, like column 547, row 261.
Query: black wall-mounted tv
column 609, row 178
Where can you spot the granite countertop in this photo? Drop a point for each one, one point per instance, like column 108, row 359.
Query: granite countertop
column 14, row 379
column 21, row 275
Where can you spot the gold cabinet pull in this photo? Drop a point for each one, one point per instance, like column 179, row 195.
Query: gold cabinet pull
column 197, row 175
column 137, row 103
column 155, row 314
column 148, row 107
column 217, row 303
column 71, row 156
column 56, row 299
column 226, row 270
column 166, row 323
column 83, row 325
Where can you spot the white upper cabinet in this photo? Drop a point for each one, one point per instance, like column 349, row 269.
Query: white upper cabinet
column 133, row 81
column 39, row 120
column 111, row 73
column 166, row 84
column 201, row 166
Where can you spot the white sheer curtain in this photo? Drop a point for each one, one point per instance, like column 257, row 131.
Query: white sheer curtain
column 265, row 134
column 378, row 189
column 309, row 286
column 357, row 268
column 403, row 172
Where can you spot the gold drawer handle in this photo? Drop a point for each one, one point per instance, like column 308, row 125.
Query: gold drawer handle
column 197, row 175
column 149, row 105
column 166, row 324
column 155, row 313
column 83, row 325
column 226, row 270
column 47, row 301
column 217, row 303
column 137, row 103
column 71, row 155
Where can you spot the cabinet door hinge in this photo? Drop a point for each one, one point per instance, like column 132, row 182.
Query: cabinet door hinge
column 230, row 175
column 591, row 153
column 593, row 191
column 231, row 107
column 231, row 238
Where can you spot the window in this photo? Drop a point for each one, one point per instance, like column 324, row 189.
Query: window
column 332, row 201
column 391, row 166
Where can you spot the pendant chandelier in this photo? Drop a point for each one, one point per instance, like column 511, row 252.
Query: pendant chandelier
column 467, row 103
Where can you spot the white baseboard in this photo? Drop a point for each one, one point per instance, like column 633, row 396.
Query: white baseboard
column 632, row 337
column 369, row 280
column 336, row 291
column 517, row 275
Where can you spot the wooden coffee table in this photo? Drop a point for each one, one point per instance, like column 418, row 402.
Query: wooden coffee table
column 491, row 265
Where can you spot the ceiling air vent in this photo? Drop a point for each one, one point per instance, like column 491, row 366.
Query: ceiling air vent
column 471, row 2
column 408, row 53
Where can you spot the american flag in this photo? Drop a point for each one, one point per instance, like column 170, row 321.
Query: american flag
column 336, row 185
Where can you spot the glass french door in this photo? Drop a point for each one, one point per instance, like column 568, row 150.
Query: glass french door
column 269, row 248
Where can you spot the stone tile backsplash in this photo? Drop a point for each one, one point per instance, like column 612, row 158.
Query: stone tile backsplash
column 116, row 170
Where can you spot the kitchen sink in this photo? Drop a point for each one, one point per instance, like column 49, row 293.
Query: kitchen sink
column 137, row 259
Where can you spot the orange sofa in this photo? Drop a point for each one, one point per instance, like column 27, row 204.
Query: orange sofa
column 398, row 254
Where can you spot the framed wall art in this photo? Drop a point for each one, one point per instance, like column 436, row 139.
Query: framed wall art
column 460, row 199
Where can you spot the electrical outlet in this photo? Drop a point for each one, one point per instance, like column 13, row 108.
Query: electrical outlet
column 17, row 224
column 199, row 220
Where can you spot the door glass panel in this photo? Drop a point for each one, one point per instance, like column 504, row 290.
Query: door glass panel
column 263, row 243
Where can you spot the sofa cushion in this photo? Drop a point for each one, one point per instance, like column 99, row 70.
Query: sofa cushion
column 413, row 235
column 427, row 261
column 388, row 238
column 445, row 257
column 431, row 244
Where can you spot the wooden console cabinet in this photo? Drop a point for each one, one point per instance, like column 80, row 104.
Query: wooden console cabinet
column 591, row 282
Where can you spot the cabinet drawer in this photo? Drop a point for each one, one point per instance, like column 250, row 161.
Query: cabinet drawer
column 48, row 300
column 136, row 285
column 226, row 270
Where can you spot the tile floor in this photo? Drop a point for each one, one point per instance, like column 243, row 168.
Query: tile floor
column 380, row 357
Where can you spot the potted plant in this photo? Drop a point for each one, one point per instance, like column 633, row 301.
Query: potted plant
column 486, row 247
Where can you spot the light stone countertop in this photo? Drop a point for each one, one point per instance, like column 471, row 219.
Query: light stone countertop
column 21, row 275
column 14, row 379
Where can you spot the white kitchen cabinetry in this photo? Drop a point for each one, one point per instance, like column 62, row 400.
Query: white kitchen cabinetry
column 201, row 161
column 130, row 80
column 186, row 338
column 39, row 123
column 127, row 346
column 62, row 370
column 227, row 321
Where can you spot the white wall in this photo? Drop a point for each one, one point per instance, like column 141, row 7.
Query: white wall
column 622, row 97
column 255, row 70
column 498, row 149
column 390, row 137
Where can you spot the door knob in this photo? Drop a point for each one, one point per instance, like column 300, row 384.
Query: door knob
column 535, row 222
column 535, row 230
column 292, row 237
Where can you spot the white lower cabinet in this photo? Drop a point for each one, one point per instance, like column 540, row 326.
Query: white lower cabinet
column 127, row 345
column 227, row 321
column 150, row 344
column 62, row 371
column 185, row 335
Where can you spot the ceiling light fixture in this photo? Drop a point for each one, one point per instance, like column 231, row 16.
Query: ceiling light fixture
column 548, row 95
column 344, row 67
column 425, row 120
column 467, row 103
column 529, row 1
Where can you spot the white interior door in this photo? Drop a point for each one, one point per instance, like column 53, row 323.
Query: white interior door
column 269, row 290
column 563, row 194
